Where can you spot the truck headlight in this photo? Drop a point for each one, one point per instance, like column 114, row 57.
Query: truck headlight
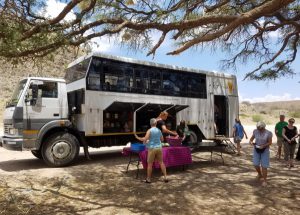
column 12, row 131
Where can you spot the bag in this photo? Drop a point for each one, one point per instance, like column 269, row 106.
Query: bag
column 260, row 150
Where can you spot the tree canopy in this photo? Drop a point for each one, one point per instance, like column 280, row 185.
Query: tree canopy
column 265, row 31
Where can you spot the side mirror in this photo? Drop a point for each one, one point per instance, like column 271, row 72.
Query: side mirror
column 32, row 95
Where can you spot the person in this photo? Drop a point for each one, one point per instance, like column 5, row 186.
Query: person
column 261, row 152
column 289, row 134
column 154, row 147
column 238, row 135
column 183, row 132
column 161, row 125
column 278, row 132
column 298, row 152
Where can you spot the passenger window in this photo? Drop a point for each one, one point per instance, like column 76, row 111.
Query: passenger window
column 49, row 90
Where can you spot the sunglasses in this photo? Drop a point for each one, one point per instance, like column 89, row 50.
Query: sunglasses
column 291, row 121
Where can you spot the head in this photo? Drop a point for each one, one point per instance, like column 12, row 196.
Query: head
column 261, row 125
column 291, row 121
column 182, row 123
column 163, row 115
column 281, row 117
column 238, row 121
column 152, row 122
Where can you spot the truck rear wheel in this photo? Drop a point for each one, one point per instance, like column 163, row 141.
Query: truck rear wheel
column 193, row 138
column 60, row 149
column 37, row 154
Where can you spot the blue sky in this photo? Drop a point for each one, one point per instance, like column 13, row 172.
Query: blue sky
column 283, row 89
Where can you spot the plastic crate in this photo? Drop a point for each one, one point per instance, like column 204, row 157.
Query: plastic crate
column 137, row 147
column 173, row 141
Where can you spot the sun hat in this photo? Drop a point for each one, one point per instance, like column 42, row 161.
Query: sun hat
column 260, row 124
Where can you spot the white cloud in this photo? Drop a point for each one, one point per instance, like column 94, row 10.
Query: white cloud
column 269, row 98
column 54, row 8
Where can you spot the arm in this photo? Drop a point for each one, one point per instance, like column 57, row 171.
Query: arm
column 296, row 135
column 276, row 131
column 251, row 140
column 285, row 137
column 245, row 133
column 145, row 138
column 165, row 130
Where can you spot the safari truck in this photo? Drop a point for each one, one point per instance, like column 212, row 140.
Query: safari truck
column 104, row 100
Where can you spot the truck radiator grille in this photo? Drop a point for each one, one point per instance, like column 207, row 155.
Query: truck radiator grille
column 6, row 128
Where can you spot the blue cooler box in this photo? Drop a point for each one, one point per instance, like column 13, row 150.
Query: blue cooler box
column 138, row 147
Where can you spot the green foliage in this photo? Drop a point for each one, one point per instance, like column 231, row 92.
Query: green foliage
column 295, row 114
column 257, row 118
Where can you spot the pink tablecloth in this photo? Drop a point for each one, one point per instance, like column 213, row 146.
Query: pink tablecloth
column 172, row 156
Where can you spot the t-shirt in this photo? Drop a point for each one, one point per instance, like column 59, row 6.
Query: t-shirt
column 239, row 130
column 279, row 126
column 261, row 137
column 159, row 124
column 290, row 133
column 154, row 141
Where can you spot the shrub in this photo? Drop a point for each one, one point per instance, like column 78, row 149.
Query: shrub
column 263, row 112
column 295, row 114
column 257, row 118
column 242, row 115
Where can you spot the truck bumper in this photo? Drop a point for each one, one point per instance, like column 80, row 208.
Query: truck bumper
column 12, row 143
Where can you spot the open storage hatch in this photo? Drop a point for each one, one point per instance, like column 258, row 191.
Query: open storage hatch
column 119, row 116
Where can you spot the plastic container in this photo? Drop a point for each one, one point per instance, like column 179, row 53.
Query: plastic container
column 173, row 141
column 137, row 147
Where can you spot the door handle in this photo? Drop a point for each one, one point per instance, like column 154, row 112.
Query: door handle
column 56, row 114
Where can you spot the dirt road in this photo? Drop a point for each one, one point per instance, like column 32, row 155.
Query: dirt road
column 101, row 186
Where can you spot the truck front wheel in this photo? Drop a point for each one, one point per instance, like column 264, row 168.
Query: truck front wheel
column 60, row 149
column 37, row 154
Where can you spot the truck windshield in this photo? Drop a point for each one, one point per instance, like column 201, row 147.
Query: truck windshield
column 17, row 93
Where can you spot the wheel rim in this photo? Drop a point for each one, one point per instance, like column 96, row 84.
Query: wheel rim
column 61, row 150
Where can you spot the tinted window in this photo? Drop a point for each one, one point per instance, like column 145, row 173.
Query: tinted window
column 49, row 90
column 118, row 76
column 93, row 78
column 111, row 75
column 77, row 71
column 141, row 80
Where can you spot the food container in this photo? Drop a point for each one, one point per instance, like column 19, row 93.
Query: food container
column 137, row 147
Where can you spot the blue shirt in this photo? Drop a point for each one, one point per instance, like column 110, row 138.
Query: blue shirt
column 154, row 141
column 261, row 137
column 239, row 130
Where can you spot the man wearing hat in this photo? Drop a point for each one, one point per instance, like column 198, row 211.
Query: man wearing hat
column 278, row 132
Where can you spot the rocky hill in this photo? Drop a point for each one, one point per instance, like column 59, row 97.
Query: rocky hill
column 10, row 74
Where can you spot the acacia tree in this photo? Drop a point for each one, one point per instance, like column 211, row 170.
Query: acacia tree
column 243, row 28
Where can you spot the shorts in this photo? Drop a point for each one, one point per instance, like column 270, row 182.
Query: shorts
column 237, row 139
column 155, row 154
column 261, row 159
column 280, row 141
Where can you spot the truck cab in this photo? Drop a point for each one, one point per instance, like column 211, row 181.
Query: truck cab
column 37, row 109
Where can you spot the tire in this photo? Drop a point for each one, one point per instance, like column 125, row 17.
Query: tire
column 60, row 149
column 193, row 138
column 37, row 154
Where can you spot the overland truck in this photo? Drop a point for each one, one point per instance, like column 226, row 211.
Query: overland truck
column 104, row 100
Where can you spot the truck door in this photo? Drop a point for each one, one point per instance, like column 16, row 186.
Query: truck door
column 38, row 111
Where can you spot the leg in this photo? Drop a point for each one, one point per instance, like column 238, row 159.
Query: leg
column 150, row 160
column 238, row 145
column 163, row 169
column 293, row 148
column 264, row 175
column 286, row 152
column 279, row 152
column 259, row 172
column 149, row 171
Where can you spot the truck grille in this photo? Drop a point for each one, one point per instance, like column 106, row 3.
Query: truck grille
column 6, row 128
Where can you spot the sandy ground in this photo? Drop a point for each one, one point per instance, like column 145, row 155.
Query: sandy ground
column 101, row 186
